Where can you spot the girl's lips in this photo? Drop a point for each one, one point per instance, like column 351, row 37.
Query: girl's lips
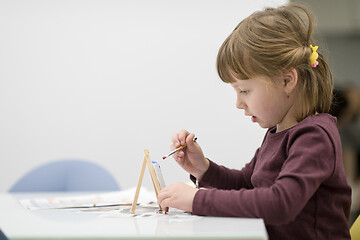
column 253, row 118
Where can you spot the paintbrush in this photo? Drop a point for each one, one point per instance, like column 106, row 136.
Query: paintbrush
column 177, row 149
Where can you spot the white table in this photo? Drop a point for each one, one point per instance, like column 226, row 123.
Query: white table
column 19, row 223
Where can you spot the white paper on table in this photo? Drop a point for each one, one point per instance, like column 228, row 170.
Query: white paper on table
column 147, row 211
column 118, row 198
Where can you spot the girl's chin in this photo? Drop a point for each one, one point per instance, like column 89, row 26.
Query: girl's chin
column 261, row 124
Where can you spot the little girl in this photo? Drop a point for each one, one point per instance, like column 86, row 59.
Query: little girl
column 296, row 180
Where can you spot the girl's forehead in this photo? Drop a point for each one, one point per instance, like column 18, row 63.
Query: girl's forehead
column 241, row 83
column 256, row 82
column 247, row 82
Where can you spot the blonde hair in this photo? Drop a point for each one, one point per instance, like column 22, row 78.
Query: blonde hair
column 271, row 42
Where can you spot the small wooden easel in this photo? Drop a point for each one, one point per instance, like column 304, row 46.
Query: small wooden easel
column 154, row 179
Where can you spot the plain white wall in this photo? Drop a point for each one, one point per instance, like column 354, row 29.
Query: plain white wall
column 102, row 80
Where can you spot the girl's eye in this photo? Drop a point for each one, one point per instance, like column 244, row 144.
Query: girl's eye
column 244, row 92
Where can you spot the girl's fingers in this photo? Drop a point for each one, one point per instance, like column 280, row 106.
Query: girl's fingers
column 162, row 195
column 190, row 138
column 163, row 199
column 179, row 160
column 179, row 156
column 180, row 153
column 175, row 140
column 182, row 136
column 165, row 203
column 179, row 139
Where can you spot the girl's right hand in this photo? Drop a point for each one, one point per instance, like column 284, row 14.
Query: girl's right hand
column 191, row 158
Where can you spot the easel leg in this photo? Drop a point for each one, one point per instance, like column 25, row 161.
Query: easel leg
column 138, row 186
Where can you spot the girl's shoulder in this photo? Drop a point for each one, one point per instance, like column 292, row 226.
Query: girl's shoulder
column 322, row 122
column 316, row 131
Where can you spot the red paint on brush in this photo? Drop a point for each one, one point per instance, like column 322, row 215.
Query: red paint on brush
column 164, row 157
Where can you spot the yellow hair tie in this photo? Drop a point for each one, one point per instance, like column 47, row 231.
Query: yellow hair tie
column 314, row 56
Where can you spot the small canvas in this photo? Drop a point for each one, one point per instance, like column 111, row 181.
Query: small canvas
column 159, row 174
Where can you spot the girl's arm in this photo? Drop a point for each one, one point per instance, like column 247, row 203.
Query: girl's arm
column 221, row 177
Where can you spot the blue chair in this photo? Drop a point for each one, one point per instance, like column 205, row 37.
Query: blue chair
column 66, row 176
column 2, row 236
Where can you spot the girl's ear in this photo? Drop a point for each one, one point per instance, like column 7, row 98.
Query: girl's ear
column 290, row 80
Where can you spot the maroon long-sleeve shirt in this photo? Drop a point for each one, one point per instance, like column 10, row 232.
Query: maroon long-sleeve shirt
column 295, row 182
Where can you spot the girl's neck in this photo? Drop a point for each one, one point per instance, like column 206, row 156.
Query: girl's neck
column 284, row 126
column 289, row 119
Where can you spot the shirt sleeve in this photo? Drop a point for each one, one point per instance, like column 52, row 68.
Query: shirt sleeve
column 310, row 160
column 221, row 177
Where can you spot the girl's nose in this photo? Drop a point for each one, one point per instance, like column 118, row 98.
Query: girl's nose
column 240, row 104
